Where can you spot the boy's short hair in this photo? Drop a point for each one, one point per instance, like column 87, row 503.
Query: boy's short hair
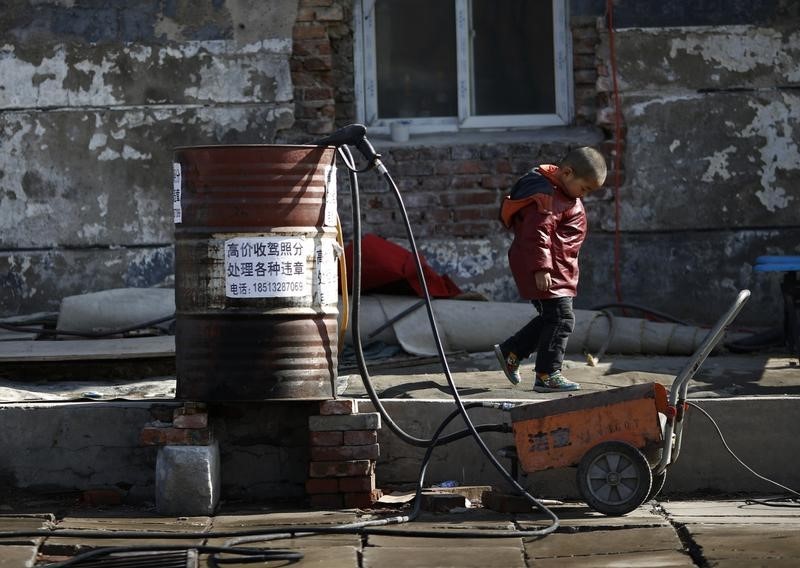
column 586, row 163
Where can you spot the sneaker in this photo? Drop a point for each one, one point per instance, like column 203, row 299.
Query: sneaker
column 510, row 365
column 554, row 382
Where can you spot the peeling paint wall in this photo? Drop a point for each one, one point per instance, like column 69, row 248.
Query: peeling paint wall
column 93, row 98
column 712, row 164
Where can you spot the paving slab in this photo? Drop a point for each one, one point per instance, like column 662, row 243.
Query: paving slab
column 592, row 542
column 582, row 516
column 469, row 519
column 747, row 545
column 271, row 520
column 14, row 556
column 23, row 523
column 388, row 541
column 449, row 554
column 331, row 557
column 730, row 512
column 658, row 559
column 111, row 525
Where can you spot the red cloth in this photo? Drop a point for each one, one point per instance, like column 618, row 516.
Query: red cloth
column 387, row 267
column 548, row 240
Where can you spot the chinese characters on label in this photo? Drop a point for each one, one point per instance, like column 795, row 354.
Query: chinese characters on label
column 176, row 192
column 266, row 267
column 543, row 441
column 330, row 196
column 326, row 290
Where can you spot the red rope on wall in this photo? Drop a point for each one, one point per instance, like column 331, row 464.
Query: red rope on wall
column 617, row 148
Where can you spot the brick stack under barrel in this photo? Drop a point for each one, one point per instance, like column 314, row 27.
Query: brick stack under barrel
column 344, row 449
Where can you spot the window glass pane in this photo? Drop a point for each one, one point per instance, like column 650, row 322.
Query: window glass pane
column 513, row 59
column 416, row 59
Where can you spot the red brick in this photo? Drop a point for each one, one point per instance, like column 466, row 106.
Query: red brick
column 352, row 468
column 157, row 436
column 344, row 453
column 152, row 436
column 322, row 485
column 327, row 501
column 362, row 500
column 360, row 484
column 191, row 421
column 309, row 32
column 360, row 438
column 341, row 406
column 326, row 438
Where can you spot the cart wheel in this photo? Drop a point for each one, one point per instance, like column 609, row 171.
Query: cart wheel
column 614, row 478
column 658, row 484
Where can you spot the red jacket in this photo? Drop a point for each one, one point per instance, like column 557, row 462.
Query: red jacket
column 549, row 228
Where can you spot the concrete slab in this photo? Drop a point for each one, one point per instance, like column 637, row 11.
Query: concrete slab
column 747, row 545
column 110, row 525
column 12, row 556
column 730, row 512
column 387, row 541
column 332, row 557
column 20, row 523
column 256, row 521
column 581, row 516
column 588, row 543
column 449, row 554
column 658, row 559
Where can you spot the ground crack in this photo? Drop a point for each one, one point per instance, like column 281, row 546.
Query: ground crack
column 690, row 545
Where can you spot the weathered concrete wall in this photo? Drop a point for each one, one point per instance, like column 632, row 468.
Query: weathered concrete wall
column 76, row 446
column 92, row 102
column 264, row 448
column 711, row 159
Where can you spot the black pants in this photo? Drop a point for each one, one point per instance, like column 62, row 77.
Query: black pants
column 546, row 334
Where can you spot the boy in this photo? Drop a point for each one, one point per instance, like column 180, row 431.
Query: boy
column 545, row 211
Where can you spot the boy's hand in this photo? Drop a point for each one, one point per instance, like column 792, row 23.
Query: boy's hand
column 543, row 280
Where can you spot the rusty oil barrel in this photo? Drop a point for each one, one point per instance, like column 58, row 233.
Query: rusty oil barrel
column 256, row 286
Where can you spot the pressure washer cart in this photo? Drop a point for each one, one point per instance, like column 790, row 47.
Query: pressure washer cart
column 622, row 440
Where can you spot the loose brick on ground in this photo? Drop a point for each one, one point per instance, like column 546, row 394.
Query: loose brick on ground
column 327, row 501
column 341, row 453
column 361, row 484
column 326, row 438
column 322, row 485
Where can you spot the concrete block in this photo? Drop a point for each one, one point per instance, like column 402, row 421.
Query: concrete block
column 187, row 480
column 366, row 421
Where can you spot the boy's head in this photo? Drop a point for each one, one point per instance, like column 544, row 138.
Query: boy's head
column 582, row 171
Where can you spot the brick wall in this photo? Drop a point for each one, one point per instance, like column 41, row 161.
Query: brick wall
column 320, row 25
column 448, row 191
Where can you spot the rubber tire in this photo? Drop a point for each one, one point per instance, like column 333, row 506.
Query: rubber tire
column 658, row 485
column 609, row 459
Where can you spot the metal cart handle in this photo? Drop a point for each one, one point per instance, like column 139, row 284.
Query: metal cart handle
column 677, row 394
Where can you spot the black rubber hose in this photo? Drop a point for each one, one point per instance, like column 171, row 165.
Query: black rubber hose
column 437, row 340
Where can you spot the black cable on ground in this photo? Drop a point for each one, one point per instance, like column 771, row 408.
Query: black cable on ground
column 744, row 465
column 646, row 310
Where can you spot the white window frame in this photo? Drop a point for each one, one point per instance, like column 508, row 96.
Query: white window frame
column 366, row 88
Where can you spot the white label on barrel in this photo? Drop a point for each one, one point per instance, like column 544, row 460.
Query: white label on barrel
column 176, row 192
column 267, row 267
column 326, row 282
column 330, row 195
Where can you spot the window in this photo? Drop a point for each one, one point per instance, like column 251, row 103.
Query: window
column 444, row 65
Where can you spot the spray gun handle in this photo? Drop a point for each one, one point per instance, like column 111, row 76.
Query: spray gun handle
column 352, row 135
